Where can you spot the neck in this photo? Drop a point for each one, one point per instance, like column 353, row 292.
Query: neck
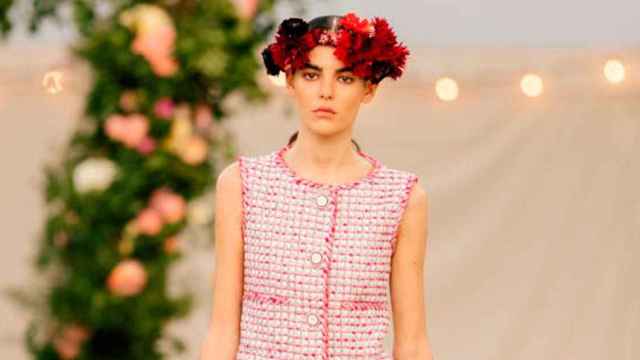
column 324, row 159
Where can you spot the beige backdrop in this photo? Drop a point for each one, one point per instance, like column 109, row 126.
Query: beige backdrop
column 534, row 203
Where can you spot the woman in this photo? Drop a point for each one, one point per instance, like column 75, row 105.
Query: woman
column 310, row 235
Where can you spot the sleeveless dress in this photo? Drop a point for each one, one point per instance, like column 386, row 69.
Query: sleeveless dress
column 317, row 260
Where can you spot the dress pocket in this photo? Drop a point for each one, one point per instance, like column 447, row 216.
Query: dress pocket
column 264, row 298
column 376, row 314
column 364, row 305
column 264, row 325
column 365, row 323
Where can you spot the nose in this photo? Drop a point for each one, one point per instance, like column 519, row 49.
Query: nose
column 326, row 88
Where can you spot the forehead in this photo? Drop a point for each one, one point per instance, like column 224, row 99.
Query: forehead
column 322, row 56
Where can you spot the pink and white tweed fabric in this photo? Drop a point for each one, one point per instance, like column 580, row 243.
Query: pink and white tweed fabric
column 317, row 261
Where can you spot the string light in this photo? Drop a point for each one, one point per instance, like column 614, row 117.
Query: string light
column 531, row 85
column 52, row 82
column 614, row 71
column 446, row 89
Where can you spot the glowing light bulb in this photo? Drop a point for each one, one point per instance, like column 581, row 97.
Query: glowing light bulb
column 614, row 71
column 52, row 81
column 447, row 89
column 531, row 85
column 280, row 80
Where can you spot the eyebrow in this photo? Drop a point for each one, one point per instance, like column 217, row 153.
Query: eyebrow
column 316, row 67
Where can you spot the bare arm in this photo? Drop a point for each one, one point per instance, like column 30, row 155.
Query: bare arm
column 221, row 342
column 406, row 283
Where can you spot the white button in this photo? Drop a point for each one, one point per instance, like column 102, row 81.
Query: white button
column 316, row 258
column 322, row 200
column 312, row 319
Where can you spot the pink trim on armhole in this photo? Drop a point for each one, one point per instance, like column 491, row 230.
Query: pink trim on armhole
column 243, row 179
column 412, row 180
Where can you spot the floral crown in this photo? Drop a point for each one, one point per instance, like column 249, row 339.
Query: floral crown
column 369, row 48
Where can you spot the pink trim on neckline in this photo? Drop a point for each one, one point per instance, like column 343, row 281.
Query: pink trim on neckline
column 279, row 159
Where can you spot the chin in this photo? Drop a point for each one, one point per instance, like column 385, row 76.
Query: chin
column 322, row 127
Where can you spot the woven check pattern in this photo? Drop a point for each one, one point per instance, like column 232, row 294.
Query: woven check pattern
column 317, row 261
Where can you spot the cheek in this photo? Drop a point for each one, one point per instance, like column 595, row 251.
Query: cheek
column 303, row 94
column 305, row 90
column 350, row 96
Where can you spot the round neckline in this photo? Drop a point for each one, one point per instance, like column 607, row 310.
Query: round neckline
column 279, row 158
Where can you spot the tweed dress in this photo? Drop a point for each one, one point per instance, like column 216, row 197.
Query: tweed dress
column 317, row 260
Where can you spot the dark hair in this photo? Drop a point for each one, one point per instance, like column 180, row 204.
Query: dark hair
column 329, row 22
column 294, row 136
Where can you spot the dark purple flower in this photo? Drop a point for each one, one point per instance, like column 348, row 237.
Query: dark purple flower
column 272, row 67
column 293, row 27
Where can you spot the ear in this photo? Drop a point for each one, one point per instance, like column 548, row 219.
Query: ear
column 370, row 91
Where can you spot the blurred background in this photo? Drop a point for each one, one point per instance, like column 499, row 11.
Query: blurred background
column 521, row 119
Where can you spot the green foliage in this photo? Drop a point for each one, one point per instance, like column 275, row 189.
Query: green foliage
column 88, row 233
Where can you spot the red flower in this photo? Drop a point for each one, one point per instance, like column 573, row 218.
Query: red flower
column 352, row 22
column 370, row 48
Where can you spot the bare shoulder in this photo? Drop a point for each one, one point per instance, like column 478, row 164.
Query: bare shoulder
column 413, row 225
column 230, row 178
column 228, row 195
column 229, row 184
column 418, row 198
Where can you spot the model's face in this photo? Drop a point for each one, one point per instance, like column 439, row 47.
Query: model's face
column 324, row 82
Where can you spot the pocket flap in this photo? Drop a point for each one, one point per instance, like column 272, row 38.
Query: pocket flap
column 264, row 298
column 364, row 305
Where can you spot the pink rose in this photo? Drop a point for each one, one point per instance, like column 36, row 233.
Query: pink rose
column 130, row 130
column 163, row 108
column 164, row 67
column 194, row 151
column 66, row 349
column 137, row 127
column 128, row 278
column 246, row 9
column 156, row 43
column 157, row 47
column 146, row 146
column 115, row 126
column 68, row 343
column 76, row 333
column 170, row 205
column 149, row 222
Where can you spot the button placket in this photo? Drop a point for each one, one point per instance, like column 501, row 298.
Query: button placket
column 321, row 201
column 329, row 238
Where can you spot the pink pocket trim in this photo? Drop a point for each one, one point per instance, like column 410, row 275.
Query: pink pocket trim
column 264, row 298
column 364, row 305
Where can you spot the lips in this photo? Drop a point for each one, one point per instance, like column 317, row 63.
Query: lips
column 325, row 109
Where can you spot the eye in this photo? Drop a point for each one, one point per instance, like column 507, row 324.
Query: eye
column 348, row 79
column 304, row 75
